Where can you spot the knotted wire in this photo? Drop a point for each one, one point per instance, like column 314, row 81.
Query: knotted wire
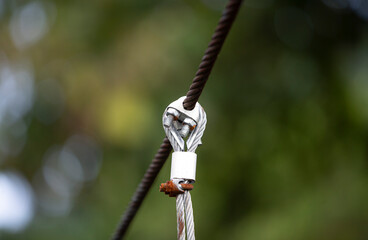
column 192, row 97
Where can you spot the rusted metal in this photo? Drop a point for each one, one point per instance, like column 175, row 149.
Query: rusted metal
column 181, row 226
column 171, row 189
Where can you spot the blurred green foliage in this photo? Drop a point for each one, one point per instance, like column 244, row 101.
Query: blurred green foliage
column 285, row 149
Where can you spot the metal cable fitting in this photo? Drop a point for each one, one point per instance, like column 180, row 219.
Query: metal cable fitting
column 195, row 91
column 178, row 124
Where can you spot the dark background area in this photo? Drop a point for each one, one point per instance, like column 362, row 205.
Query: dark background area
column 83, row 85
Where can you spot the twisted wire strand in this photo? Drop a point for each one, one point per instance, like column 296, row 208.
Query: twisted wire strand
column 189, row 219
column 180, row 216
column 210, row 56
column 192, row 97
column 142, row 189
column 201, row 127
column 175, row 145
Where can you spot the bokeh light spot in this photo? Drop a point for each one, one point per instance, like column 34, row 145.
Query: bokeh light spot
column 28, row 25
column 16, row 202
column 16, row 91
column 124, row 118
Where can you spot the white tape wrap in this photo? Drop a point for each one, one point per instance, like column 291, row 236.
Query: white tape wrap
column 183, row 165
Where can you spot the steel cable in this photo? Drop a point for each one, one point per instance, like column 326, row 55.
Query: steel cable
column 180, row 216
column 189, row 219
column 210, row 56
column 191, row 99
column 183, row 200
column 142, row 190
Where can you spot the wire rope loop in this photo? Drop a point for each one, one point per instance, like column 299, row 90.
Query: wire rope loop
column 180, row 125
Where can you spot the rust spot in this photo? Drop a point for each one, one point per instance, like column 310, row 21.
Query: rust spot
column 187, row 186
column 169, row 188
column 181, row 225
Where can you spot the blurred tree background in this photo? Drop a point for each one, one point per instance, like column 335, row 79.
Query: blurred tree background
column 83, row 85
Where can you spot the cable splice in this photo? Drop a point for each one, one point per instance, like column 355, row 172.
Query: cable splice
column 183, row 165
column 195, row 90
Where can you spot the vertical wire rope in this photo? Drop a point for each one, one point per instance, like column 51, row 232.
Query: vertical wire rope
column 180, row 216
column 189, row 219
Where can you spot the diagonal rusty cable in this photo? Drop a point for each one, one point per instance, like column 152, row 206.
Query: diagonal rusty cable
column 143, row 188
column 195, row 90
column 210, row 56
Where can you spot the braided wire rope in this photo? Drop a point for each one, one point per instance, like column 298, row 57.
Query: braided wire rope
column 180, row 216
column 210, row 56
column 175, row 145
column 193, row 143
column 195, row 90
column 189, row 219
column 142, row 190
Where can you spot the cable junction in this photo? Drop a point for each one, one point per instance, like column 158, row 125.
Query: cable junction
column 180, row 124
column 204, row 70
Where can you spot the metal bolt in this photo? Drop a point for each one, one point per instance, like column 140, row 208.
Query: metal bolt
column 188, row 125
column 171, row 115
